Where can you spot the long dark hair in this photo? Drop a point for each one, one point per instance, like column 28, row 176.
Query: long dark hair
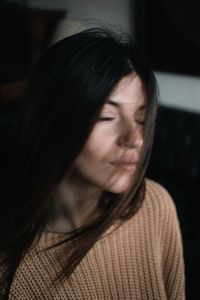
column 68, row 86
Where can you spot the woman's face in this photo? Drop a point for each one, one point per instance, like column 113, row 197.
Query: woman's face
column 111, row 154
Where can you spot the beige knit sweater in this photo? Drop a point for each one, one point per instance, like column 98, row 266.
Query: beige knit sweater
column 142, row 259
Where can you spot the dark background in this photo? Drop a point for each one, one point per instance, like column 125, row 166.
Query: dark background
column 169, row 32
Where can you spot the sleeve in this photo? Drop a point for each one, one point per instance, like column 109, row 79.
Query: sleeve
column 172, row 258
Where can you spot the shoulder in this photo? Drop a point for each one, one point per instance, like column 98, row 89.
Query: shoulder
column 162, row 220
column 158, row 201
column 155, row 189
column 155, row 192
column 159, row 213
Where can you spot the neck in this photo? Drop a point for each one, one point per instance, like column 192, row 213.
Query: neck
column 73, row 205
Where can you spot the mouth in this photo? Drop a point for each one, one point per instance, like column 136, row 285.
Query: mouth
column 126, row 166
column 129, row 167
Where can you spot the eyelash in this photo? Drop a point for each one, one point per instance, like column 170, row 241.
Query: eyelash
column 142, row 123
column 106, row 119
column 102, row 119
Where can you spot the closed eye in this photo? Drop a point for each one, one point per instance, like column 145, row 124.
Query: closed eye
column 106, row 118
column 140, row 116
column 140, row 122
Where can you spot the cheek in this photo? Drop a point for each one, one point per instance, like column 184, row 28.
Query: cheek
column 93, row 163
column 99, row 172
column 93, row 159
column 100, row 146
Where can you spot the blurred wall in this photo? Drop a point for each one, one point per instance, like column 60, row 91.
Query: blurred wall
column 179, row 91
column 116, row 12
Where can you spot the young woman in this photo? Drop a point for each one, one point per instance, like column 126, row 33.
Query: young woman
column 80, row 221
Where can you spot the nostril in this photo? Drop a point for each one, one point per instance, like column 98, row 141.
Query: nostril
column 129, row 145
column 133, row 142
column 130, row 137
column 139, row 142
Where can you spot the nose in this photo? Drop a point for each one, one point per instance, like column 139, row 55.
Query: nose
column 131, row 136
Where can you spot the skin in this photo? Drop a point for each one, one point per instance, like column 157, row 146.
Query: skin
column 108, row 160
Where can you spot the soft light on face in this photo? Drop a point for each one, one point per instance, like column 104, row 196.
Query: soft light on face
column 111, row 154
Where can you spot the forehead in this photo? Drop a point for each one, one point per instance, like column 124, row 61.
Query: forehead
column 129, row 91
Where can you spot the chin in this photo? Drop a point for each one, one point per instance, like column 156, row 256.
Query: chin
column 120, row 187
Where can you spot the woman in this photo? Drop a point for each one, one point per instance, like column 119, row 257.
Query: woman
column 80, row 221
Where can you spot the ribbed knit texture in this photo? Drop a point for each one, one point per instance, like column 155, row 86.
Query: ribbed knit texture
column 142, row 259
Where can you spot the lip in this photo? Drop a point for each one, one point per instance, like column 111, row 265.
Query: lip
column 127, row 164
column 127, row 160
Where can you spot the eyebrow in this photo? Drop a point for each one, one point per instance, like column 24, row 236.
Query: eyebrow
column 118, row 105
